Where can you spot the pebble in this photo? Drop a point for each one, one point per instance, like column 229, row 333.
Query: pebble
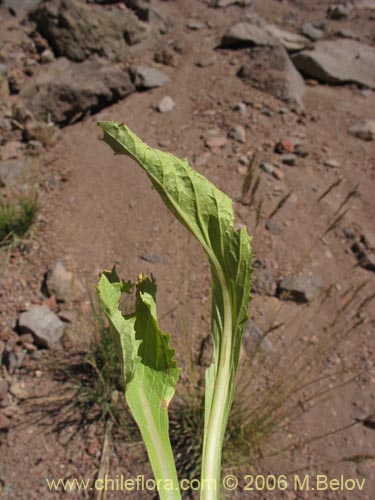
column 18, row 390
column 153, row 258
column 264, row 282
column 46, row 327
column 332, row 163
column 47, row 56
column 196, row 25
column 166, row 104
column 253, row 338
column 238, row 133
column 266, row 167
column 365, row 130
column 339, row 11
column 273, row 227
column 285, row 145
column 146, row 77
column 288, row 159
column 216, row 142
column 241, row 108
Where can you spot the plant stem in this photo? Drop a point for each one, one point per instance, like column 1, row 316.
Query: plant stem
column 219, row 413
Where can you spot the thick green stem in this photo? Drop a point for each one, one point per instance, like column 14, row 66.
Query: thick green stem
column 219, row 412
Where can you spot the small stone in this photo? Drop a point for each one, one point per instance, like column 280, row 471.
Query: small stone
column 364, row 130
column 216, row 142
column 264, row 282
column 15, row 359
column 148, row 78
column 166, row 104
column 47, row 56
column 238, row 133
column 202, row 160
column 300, row 288
column 339, row 11
column 241, row 108
column 368, row 239
column 195, row 25
column 273, row 227
column 204, row 59
column 244, row 160
column 64, row 284
column 4, row 422
column 153, row 258
column 45, row 133
column 278, row 174
column 266, row 167
column 349, row 233
column 288, row 159
column 46, row 327
column 253, row 339
column 68, row 316
column 332, row 163
column 285, row 145
column 18, row 390
column 311, row 32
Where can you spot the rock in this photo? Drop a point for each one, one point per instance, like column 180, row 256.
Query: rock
column 253, row 339
column 13, row 172
column 146, row 13
column 300, row 288
column 20, row 113
column 45, row 133
column 14, row 359
column 145, row 77
column 18, row 390
column 227, row 3
column 46, row 327
column 270, row 70
column 364, row 130
column 64, row 284
column 47, row 56
column 248, row 34
column 267, row 167
column 338, row 61
column 309, row 30
column 273, row 227
column 339, row 11
column 19, row 7
column 288, row 159
column 166, row 104
column 349, row 233
column 194, row 24
column 368, row 239
column 65, row 91
column 241, row 108
column 331, row 163
column 264, row 282
column 4, row 422
column 291, row 41
column 153, row 258
column 4, row 87
column 285, row 145
column 216, row 142
column 76, row 31
column 204, row 59
column 238, row 133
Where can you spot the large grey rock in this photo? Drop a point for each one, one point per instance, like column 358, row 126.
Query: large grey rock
column 19, row 7
column 148, row 78
column 270, row 70
column 248, row 34
column 338, row 62
column 46, row 327
column 65, row 91
column 253, row 339
column 300, row 288
column 257, row 32
column 76, row 31
column 64, row 284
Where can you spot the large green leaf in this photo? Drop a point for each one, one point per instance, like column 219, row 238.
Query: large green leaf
column 150, row 372
column 208, row 214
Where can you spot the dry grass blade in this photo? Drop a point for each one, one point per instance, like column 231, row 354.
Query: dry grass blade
column 252, row 168
column 280, row 204
column 329, row 189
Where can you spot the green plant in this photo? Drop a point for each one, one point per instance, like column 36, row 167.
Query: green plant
column 17, row 218
column 149, row 370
